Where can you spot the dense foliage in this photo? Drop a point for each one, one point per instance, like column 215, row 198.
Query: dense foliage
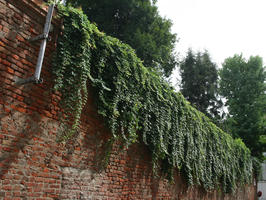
column 243, row 84
column 199, row 83
column 138, row 103
column 137, row 23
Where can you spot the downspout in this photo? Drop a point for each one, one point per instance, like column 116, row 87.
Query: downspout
column 44, row 37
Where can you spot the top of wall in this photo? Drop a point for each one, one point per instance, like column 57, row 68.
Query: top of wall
column 36, row 9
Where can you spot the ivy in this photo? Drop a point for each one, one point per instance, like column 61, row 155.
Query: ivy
column 138, row 104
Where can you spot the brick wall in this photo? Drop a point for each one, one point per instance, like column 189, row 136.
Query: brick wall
column 33, row 165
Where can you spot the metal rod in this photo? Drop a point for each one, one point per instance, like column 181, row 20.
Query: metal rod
column 39, row 37
column 47, row 25
column 21, row 81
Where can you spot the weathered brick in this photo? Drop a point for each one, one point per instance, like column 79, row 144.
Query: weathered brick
column 2, row 44
column 5, row 62
column 15, row 57
column 10, row 70
column 7, row 187
column 33, row 165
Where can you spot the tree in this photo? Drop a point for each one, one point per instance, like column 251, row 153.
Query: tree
column 199, row 83
column 137, row 23
column 243, row 84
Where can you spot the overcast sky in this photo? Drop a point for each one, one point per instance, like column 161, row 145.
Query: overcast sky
column 223, row 27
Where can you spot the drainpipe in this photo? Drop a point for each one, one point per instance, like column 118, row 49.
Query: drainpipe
column 44, row 37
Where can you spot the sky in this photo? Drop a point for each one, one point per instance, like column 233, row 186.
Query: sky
column 223, row 27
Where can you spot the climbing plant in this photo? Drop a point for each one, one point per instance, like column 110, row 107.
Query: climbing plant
column 139, row 105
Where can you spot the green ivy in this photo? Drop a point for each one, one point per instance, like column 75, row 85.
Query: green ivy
column 138, row 103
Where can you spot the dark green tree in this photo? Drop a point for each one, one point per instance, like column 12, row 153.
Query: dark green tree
column 243, row 84
column 137, row 23
column 199, row 83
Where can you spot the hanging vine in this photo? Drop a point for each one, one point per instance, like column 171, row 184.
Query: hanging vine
column 138, row 104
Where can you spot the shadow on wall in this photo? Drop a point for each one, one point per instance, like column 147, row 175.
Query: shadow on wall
column 15, row 134
column 22, row 108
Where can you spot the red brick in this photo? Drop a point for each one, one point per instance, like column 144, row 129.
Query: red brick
column 16, row 194
column 45, row 170
column 32, row 30
column 6, row 63
column 21, row 39
column 2, row 44
column 49, row 190
column 6, row 110
column 22, row 110
column 7, row 149
column 10, row 70
column 2, row 55
column 25, row 62
column 7, row 187
column 15, row 56
column 54, row 186
column 47, row 114
column 20, row 98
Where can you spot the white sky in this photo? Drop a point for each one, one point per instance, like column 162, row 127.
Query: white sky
column 223, row 27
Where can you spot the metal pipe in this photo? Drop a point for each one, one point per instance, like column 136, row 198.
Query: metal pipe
column 47, row 25
column 44, row 37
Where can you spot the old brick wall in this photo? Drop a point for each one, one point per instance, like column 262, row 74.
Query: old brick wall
column 33, row 165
